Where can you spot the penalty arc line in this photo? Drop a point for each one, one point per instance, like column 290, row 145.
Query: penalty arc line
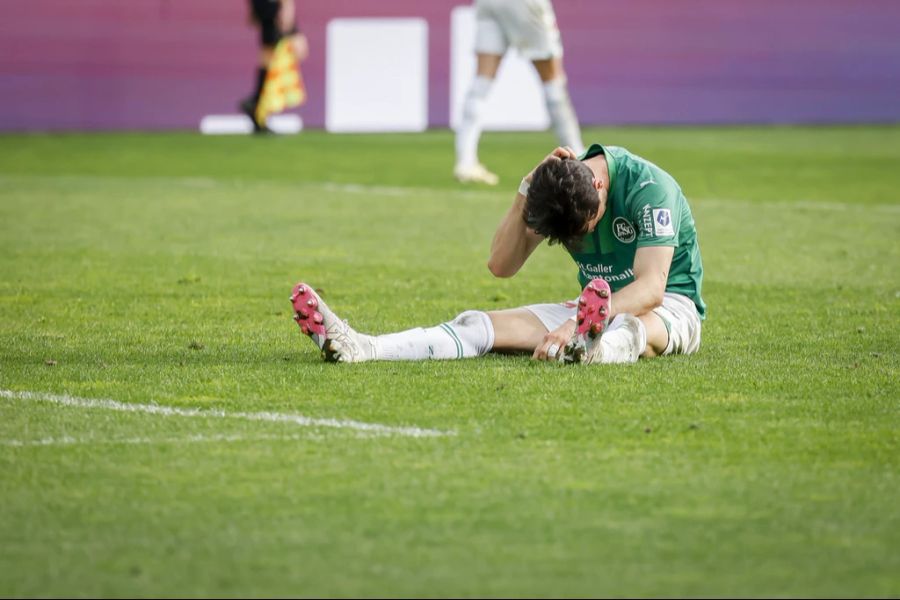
column 271, row 417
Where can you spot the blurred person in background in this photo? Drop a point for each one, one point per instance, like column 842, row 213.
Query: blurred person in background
column 530, row 26
column 276, row 20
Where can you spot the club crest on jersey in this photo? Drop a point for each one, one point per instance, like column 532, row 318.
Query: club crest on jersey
column 623, row 230
column 662, row 222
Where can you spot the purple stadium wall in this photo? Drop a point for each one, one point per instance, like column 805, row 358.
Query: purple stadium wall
column 143, row 64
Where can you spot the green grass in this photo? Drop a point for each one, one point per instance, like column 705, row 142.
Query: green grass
column 155, row 268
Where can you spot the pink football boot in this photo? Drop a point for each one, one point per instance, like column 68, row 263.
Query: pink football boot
column 592, row 319
column 337, row 340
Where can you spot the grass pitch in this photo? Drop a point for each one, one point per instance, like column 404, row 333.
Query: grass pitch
column 154, row 270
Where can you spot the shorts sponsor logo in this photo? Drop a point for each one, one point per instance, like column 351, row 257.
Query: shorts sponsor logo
column 623, row 230
column 662, row 222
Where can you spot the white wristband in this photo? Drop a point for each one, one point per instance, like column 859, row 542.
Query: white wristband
column 523, row 187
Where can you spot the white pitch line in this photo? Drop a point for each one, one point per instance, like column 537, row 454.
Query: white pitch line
column 272, row 417
column 190, row 439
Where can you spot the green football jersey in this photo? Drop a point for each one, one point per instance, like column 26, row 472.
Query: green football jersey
column 645, row 207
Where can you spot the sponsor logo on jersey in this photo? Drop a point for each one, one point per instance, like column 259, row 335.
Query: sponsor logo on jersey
column 594, row 269
column 646, row 183
column 646, row 221
column 591, row 272
column 662, row 222
column 623, row 230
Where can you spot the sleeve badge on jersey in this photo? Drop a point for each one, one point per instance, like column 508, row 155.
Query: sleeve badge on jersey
column 662, row 222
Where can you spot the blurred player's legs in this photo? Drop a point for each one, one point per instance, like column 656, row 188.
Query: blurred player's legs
column 264, row 14
column 559, row 104
column 248, row 105
column 468, row 168
column 276, row 21
column 491, row 43
column 530, row 26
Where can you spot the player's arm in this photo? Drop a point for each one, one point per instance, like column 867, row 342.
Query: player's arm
column 651, row 272
column 287, row 22
column 513, row 241
column 655, row 211
column 287, row 15
column 301, row 47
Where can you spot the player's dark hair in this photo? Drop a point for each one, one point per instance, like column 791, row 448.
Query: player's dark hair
column 561, row 201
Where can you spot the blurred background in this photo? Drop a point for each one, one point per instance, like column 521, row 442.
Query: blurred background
column 144, row 263
column 400, row 65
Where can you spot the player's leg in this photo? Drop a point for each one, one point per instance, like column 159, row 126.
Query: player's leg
column 559, row 104
column 517, row 330
column 673, row 328
column 490, row 46
column 526, row 329
column 468, row 167
column 475, row 333
column 468, row 335
column 265, row 15
column 656, row 333
column 248, row 105
column 539, row 40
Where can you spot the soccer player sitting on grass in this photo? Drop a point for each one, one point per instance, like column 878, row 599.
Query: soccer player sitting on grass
column 628, row 227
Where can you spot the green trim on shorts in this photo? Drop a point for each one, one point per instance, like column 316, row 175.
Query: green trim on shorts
column 668, row 349
column 665, row 322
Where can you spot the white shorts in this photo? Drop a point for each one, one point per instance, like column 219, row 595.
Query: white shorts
column 677, row 312
column 528, row 25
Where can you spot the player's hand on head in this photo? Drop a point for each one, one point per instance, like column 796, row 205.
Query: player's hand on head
column 559, row 153
column 563, row 152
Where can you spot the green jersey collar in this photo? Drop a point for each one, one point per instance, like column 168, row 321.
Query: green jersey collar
column 611, row 166
column 602, row 236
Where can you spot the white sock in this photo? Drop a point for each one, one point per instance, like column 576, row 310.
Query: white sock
column 468, row 335
column 624, row 340
column 469, row 130
column 562, row 115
